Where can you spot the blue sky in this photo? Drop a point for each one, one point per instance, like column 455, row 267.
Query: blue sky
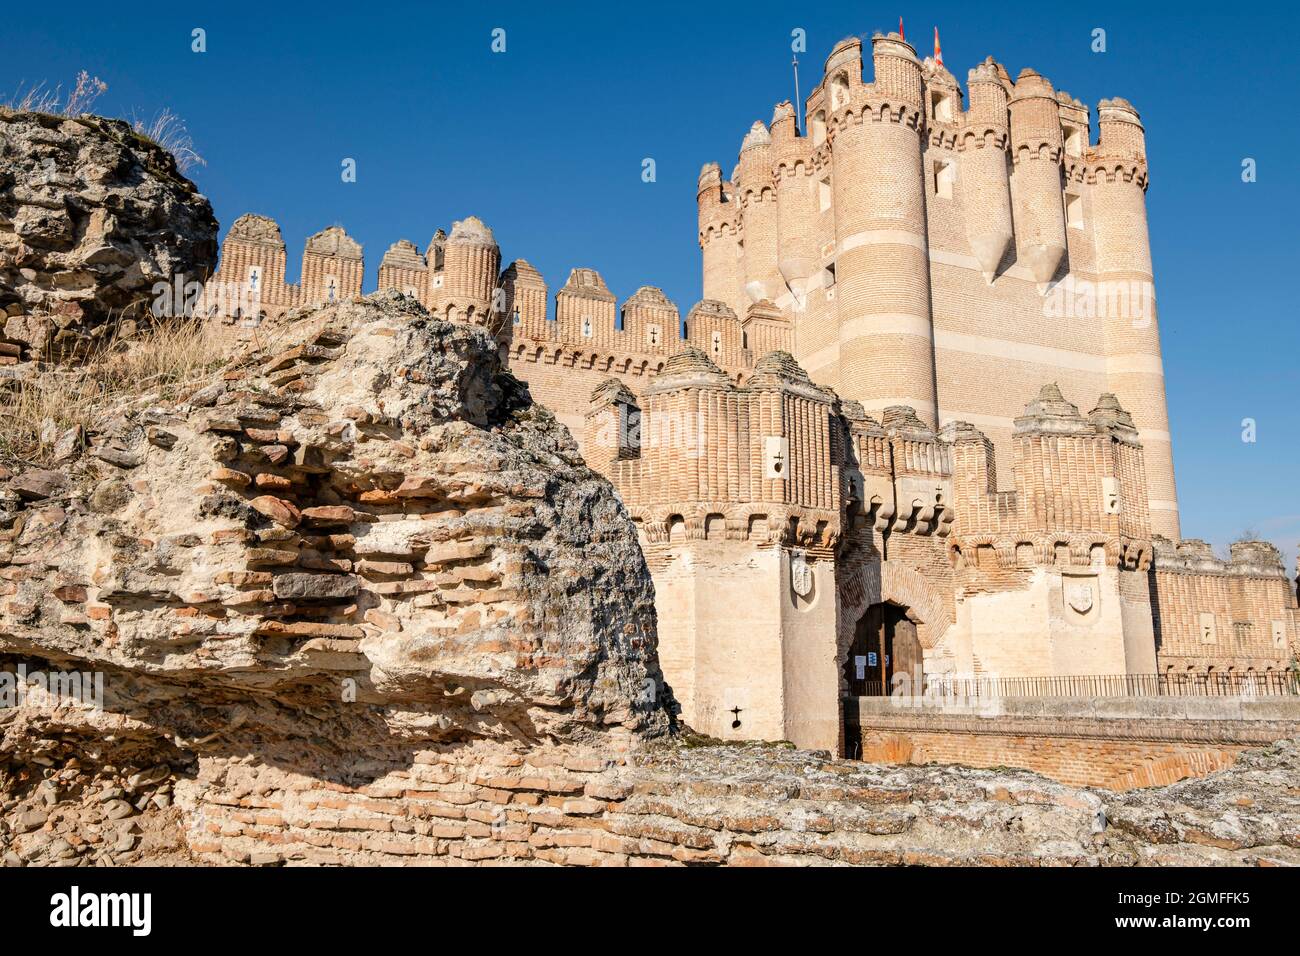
column 545, row 143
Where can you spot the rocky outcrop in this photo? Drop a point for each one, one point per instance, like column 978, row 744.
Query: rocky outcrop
column 675, row 803
column 92, row 217
column 368, row 541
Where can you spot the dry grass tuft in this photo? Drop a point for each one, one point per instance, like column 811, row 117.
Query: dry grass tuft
column 82, row 98
column 164, row 363
column 33, row 99
column 41, row 99
column 168, row 131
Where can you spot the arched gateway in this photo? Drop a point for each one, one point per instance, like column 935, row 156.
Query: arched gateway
column 885, row 647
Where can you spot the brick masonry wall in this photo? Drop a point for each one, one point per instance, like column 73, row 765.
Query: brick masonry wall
column 1117, row 744
column 741, row 805
column 1113, row 764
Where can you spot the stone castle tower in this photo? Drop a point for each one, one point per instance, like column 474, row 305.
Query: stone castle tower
column 924, row 248
column 862, row 457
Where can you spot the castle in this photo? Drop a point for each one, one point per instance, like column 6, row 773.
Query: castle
column 916, row 426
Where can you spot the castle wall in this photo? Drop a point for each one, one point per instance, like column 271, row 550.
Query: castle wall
column 1034, row 631
column 1234, row 617
column 810, row 662
column 741, row 637
column 1134, row 595
column 726, row 598
column 563, row 378
column 1115, row 743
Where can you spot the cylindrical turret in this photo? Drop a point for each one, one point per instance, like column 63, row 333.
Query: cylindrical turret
column 719, row 237
column 985, row 184
column 1036, row 191
column 1126, row 298
column 796, row 207
column 758, row 213
column 471, row 265
column 882, row 272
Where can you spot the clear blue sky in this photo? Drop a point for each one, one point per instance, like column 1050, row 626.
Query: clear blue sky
column 545, row 143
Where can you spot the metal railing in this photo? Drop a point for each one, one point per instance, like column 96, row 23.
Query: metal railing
column 1274, row 684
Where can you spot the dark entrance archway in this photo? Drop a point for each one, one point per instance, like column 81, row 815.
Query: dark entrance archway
column 884, row 645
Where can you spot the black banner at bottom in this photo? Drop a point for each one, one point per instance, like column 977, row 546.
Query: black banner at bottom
column 149, row 907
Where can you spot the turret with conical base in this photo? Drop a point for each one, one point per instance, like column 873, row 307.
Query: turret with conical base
column 986, row 188
column 1036, row 143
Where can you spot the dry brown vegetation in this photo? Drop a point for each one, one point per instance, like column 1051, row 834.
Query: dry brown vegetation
column 168, row 130
column 163, row 363
column 41, row 99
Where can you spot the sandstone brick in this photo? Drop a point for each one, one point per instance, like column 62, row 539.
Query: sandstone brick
column 297, row 586
column 282, row 512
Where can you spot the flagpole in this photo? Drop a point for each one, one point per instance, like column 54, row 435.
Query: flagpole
column 798, row 120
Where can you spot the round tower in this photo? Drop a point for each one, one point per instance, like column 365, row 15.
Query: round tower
column 758, row 210
column 1036, row 191
column 472, row 261
column 1126, row 297
column 985, row 183
column 882, row 271
column 719, row 237
column 796, row 206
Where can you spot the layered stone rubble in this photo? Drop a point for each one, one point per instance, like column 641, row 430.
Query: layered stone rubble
column 670, row 804
column 673, row 804
column 369, row 538
column 94, row 219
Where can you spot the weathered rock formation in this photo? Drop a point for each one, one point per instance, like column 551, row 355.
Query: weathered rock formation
column 92, row 216
column 668, row 804
column 369, row 540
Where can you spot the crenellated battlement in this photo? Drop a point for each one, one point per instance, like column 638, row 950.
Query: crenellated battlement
column 1234, row 614
column 459, row 277
column 1079, row 489
column 700, row 456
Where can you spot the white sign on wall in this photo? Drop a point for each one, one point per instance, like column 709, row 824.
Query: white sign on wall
column 776, row 457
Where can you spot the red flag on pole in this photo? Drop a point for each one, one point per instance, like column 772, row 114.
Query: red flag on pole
column 901, row 34
column 938, row 52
